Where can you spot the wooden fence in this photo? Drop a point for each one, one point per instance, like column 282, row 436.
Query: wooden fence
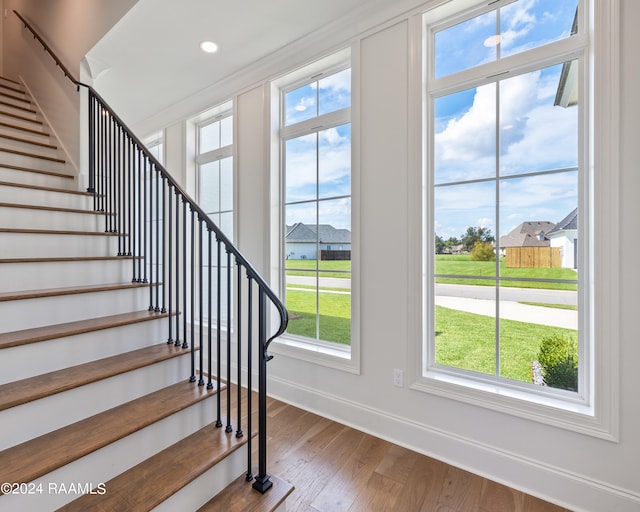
column 533, row 257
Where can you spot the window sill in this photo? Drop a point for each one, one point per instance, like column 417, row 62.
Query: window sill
column 569, row 413
column 339, row 357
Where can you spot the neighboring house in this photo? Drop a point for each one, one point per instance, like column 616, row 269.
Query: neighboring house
column 304, row 241
column 527, row 246
column 528, row 234
column 565, row 236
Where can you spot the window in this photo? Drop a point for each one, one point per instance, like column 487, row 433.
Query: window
column 316, row 244
column 214, row 178
column 214, row 165
column 508, row 239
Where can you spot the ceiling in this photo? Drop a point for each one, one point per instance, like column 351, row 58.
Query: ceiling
column 151, row 58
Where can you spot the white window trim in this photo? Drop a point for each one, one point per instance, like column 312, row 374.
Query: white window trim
column 332, row 355
column 599, row 417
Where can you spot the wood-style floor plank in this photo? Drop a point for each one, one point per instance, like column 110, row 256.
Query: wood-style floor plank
column 334, row 467
column 239, row 497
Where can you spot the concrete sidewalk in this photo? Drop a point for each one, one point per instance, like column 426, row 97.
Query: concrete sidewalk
column 553, row 317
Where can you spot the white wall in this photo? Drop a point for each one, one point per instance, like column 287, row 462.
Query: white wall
column 579, row 471
column 71, row 28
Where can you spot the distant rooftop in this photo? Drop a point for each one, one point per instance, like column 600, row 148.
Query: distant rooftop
column 322, row 233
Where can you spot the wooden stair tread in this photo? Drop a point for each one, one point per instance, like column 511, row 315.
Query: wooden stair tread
column 240, row 497
column 71, row 290
column 58, row 232
column 27, row 390
column 50, row 208
column 50, row 332
column 148, row 484
column 76, row 259
column 33, row 155
column 37, row 457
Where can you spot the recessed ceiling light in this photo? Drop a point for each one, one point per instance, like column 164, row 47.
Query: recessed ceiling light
column 208, row 46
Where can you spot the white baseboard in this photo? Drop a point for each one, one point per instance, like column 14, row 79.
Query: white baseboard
column 567, row 489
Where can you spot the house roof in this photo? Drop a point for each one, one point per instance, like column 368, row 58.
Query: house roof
column 322, row 233
column 569, row 222
column 527, row 234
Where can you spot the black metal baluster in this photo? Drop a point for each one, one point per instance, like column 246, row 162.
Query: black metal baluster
column 162, row 258
column 249, row 475
column 145, row 219
column 193, row 295
column 140, row 196
column 262, row 482
column 209, row 319
column 92, row 147
column 239, row 355
column 184, row 271
column 201, row 291
column 150, row 233
column 117, row 219
column 229, row 428
column 169, row 275
column 129, row 198
column 178, row 313
column 157, row 260
column 219, row 332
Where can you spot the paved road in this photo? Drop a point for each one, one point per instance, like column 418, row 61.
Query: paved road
column 510, row 294
column 480, row 300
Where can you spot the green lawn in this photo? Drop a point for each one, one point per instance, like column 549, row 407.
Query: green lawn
column 335, row 315
column 465, row 340
column 462, row 265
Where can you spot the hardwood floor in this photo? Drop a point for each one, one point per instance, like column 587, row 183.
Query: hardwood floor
column 336, row 468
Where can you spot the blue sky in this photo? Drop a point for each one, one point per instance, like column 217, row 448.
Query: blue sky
column 534, row 135
column 323, row 157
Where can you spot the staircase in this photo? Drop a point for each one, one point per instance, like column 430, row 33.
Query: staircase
column 97, row 409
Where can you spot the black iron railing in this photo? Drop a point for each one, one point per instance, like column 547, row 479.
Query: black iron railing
column 218, row 304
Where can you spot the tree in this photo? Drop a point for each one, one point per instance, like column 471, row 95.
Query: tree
column 440, row 244
column 477, row 234
column 483, row 251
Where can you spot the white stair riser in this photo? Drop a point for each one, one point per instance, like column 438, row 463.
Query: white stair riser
column 104, row 464
column 32, row 162
column 58, row 274
column 17, row 108
column 33, row 178
column 14, row 131
column 31, row 124
column 15, row 98
column 35, row 418
column 39, row 197
column 31, row 218
column 29, row 144
column 207, row 485
column 52, row 355
column 28, row 313
column 28, row 245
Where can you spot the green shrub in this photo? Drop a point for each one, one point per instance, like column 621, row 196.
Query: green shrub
column 558, row 356
column 483, row 251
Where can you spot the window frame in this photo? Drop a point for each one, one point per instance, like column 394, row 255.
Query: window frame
column 323, row 353
column 597, row 415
